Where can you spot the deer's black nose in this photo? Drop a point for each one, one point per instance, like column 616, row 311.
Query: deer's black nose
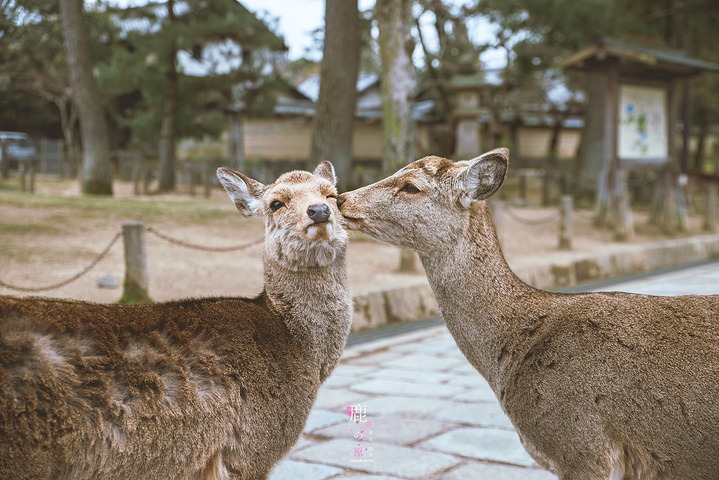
column 340, row 200
column 319, row 213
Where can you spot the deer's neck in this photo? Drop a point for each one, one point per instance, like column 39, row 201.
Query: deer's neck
column 316, row 306
column 477, row 293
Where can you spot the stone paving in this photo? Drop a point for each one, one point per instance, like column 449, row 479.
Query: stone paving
column 421, row 411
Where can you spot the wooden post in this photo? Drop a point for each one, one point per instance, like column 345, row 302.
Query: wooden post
column 667, row 214
column 546, row 177
column 408, row 262
column 624, row 227
column 23, row 174
column 206, row 180
column 138, row 172
column 682, row 214
column 135, row 287
column 31, row 174
column 27, row 176
column 611, row 159
column 190, row 180
column 523, row 187
column 565, row 222
column 146, row 176
column 671, row 200
column 710, row 219
column 43, row 155
column 496, row 208
column 4, row 160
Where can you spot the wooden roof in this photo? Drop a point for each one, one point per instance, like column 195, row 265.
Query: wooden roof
column 637, row 60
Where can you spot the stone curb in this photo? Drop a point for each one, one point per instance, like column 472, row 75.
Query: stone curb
column 382, row 307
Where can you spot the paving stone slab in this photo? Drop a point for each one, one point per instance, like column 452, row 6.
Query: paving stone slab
column 320, row 418
column 465, row 369
column 339, row 381
column 405, row 407
column 428, row 347
column 293, row 470
column 476, row 396
column 394, row 430
column 481, row 443
column 352, row 370
column 303, row 442
column 393, row 387
column 336, row 399
column 386, row 459
column 485, row 471
column 472, row 381
column 425, row 363
column 364, row 476
column 377, row 358
column 412, row 376
column 479, row 414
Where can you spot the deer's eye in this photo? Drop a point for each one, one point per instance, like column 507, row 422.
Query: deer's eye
column 276, row 205
column 409, row 188
column 332, row 196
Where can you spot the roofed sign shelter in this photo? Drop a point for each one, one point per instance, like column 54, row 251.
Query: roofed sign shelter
column 640, row 118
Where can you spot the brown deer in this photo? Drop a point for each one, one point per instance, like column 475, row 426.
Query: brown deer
column 598, row 385
column 210, row 388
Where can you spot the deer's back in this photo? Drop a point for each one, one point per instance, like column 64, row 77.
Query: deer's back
column 90, row 390
column 616, row 372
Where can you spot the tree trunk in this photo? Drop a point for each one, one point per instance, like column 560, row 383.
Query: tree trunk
column 701, row 140
column 166, row 167
column 67, row 124
column 96, row 166
column 394, row 19
column 334, row 119
column 591, row 152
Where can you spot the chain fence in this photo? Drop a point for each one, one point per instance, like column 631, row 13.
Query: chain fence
column 531, row 222
column 57, row 285
column 203, row 248
column 107, row 249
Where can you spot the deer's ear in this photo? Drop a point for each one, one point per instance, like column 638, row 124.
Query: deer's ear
column 244, row 192
column 327, row 171
column 483, row 176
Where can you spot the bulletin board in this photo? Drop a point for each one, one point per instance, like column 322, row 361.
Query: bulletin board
column 643, row 124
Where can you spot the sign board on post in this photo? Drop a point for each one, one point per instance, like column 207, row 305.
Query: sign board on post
column 643, row 124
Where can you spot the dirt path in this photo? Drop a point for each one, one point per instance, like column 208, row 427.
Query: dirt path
column 48, row 238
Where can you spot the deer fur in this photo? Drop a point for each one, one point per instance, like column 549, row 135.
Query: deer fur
column 202, row 389
column 598, row 385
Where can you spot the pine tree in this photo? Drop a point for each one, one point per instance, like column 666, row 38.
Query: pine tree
column 157, row 100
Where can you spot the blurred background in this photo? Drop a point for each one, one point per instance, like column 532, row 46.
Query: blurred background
column 267, row 86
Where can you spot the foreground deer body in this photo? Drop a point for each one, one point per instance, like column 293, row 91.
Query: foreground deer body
column 196, row 389
column 598, row 385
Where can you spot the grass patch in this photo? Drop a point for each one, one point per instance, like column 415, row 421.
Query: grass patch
column 148, row 210
column 17, row 228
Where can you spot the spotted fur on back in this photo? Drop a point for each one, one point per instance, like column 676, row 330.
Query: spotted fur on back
column 211, row 388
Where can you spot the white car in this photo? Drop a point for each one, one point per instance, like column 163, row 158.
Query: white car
column 18, row 147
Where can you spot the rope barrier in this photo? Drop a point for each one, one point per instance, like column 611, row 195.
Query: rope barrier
column 540, row 221
column 201, row 247
column 591, row 218
column 114, row 240
column 69, row 280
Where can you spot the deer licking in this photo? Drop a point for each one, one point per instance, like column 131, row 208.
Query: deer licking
column 212, row 388
column 598, row 385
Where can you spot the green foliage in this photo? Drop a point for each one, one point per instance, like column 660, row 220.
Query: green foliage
column 130, row 47
column 135, row 72
column 21, row 61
